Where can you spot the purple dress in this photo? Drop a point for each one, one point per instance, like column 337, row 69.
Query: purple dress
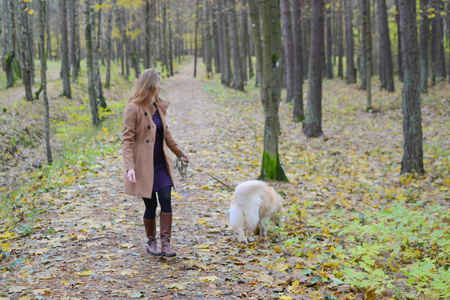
column 161, row 177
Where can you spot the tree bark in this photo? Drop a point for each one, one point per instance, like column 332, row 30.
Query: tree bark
column 73, row 38
column 216, row 40
column 208, row 38
column 364, row 43
column 329, row 42
column 88, row 16
column 424, row 32
column 109, row 49
column 270, row 69
column 195, row 37
column 298, row 112
column 225, row 66
column 65, row 67
column 288, row 46
column 351, row 72
column 340, row 40
column 25, row 52
column 48, row 148
column 10, row 34
column 238, row 82
column 412, row 120
column 312, row 126
column 386, row 65
column 399, row 41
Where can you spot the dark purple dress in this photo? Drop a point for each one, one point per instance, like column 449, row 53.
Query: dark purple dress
column 161, row 176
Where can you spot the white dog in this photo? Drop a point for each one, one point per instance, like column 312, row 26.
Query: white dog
column 252, row 204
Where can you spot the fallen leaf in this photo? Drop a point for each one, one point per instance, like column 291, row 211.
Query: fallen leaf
column 85, row 273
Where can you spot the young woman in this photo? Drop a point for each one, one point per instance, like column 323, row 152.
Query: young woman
column 148, row 169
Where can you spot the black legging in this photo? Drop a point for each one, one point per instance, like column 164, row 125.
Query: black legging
column 164, row 196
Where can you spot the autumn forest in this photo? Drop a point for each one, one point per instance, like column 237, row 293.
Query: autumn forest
column 341, row 105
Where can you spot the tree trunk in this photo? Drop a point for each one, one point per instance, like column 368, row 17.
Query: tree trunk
column 170, row 54
column 195, row 37
column 399, row 41
column 386, row 65
column 73, row 39
column 412, row 120
column 312, row 126
column 47, row 28
column 95, row 61
column 89, row 62
column 216, row 41
column 438, row 58
column 42, row 5
column 329, row 42
column 288, row 46
column 270, row 69
column 364, row 42
column 340, row 40
column 10, row 34
column 65, row 67
column 225, row 66
column 109, row 49
column 424, row 32
column 247, row 57
column 238, row 82
column 351, row 72
column 298, row 113
column 208, row 38
column 25, row 52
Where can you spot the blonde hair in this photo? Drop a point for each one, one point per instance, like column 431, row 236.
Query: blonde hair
column 146, row 88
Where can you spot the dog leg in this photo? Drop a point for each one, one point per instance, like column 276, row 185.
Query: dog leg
column 250, row 235
column 241, row 236
column 262, row 228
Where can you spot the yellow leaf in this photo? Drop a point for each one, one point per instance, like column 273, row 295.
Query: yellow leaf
column 6, row 247
column 370, row 294
column 178, row 286
column 209, row 278
column 128, row 272
column 85, row 273
column 202, row 246
column 5, row 235
column 286, row 297
column 303, row 213
column 400, row 197
column 127, row 245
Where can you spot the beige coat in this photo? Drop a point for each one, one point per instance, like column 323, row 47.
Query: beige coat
column 138, row 141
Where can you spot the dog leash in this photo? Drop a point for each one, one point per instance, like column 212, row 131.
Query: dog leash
column 182, row 167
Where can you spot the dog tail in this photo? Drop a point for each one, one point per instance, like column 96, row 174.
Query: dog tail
column 245, row 211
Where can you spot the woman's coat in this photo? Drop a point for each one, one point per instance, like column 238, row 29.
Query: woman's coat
column 138, row 141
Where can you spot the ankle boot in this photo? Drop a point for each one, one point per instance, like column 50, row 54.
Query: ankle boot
column 150, row 229
column 166, row 230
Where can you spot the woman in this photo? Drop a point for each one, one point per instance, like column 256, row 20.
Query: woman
column 148, row 169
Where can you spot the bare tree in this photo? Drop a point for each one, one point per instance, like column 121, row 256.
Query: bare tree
column 10, row 39
column 65, row 68
column 269, row 64
column 238, row 81
column 312, row 125
column 412, row 119
column 351, row 76
column 88, row 22
column 288, row 46
column 298, row 112
column 386, row 65
column 424, row 33
column 25, row 52
column 42, row 5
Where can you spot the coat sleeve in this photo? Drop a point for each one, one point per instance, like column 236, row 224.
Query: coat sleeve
column 173, row 146
column 129, row 130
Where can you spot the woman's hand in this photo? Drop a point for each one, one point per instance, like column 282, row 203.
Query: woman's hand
column 185, row 158
column 131, row 175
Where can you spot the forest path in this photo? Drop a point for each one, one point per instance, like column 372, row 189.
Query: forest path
column 90, row 243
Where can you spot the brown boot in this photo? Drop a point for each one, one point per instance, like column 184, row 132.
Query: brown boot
column 150, row 229
column 166, row 230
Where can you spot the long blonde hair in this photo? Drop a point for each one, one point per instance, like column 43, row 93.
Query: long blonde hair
column 146, row 88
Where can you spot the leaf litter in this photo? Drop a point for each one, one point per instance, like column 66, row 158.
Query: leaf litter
column 344, row 191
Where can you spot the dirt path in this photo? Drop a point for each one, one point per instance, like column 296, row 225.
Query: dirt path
column 89, row 245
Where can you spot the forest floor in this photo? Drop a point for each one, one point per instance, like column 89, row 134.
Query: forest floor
column 350, row 215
